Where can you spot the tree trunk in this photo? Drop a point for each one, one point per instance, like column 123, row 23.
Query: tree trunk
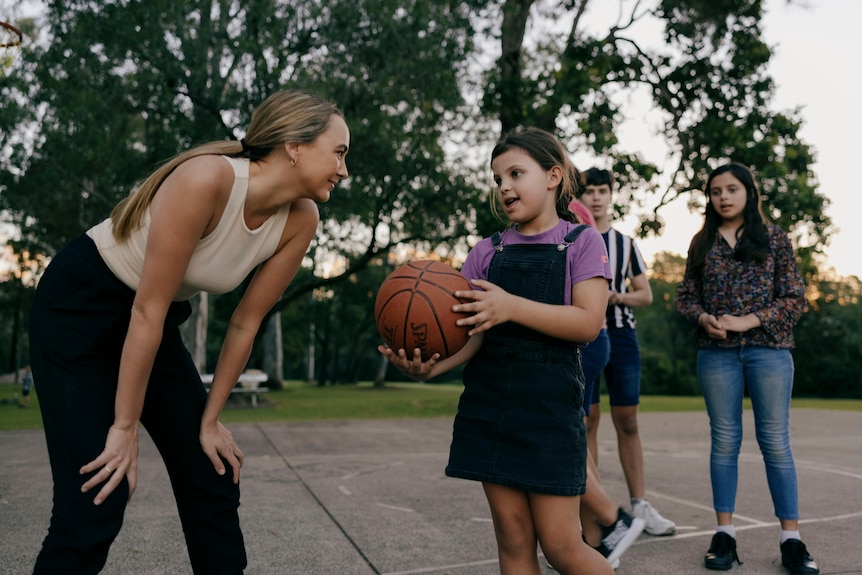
column 380, row 378
column 14, row 364
column 312, row 335
column 273, row 352
column 516, row 13
column 194, row 330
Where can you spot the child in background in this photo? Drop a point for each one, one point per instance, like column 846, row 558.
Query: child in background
column 629, row 288
column 608, row 528
column 26, row 386
column 594, row 357
column 541, row 292
column 743, row 289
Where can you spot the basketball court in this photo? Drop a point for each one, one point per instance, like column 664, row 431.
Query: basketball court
column 369, row 497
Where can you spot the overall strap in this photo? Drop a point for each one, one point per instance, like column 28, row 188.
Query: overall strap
column 571, row 237
column 497, row 240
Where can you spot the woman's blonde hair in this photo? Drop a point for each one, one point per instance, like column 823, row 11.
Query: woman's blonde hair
column 286, row 116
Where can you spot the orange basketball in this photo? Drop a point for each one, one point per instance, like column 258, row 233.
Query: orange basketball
column 413, row 309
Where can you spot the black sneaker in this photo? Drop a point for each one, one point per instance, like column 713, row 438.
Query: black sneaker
column 795, row 557
column 722, row 552
column 617, row 538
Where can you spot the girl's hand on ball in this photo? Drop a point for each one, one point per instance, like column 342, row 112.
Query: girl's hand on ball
column 413, row 367
column 491, row 305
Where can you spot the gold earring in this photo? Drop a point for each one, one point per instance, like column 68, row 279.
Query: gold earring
column 293, row 162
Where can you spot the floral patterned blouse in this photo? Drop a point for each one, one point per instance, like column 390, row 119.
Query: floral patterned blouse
column 772, row 290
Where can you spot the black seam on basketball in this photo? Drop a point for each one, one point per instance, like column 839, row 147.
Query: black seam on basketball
column 429, row 331
column 440, row 331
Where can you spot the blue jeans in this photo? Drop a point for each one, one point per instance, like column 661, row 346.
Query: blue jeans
column 768, row 373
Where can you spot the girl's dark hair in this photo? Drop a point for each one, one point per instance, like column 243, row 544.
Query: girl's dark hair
column 752, row 237
column 548, row 152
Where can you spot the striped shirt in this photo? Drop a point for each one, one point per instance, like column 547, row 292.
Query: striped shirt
column 626, row 262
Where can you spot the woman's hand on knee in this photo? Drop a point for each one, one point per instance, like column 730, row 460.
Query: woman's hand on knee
column 119, row 459
column 219, row 445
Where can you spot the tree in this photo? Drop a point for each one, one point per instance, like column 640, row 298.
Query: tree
column 17, row 286
column 706, row 79
column 668, row 351
column 828, row 339
column 827, row 362
column 121, row 87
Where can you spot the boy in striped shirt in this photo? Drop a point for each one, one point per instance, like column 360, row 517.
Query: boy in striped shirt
column 630, row 288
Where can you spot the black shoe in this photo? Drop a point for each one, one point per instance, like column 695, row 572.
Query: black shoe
column 722, row 552
column 795, row 557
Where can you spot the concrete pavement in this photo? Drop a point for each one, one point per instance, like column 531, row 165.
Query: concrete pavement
column 368, row 497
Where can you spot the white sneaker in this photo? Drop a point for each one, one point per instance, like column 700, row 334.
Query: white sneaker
column 655, row 524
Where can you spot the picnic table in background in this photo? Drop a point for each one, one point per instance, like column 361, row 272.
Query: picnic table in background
column 249, row 382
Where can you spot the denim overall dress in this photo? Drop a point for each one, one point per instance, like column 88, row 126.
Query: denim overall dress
column 520, row 420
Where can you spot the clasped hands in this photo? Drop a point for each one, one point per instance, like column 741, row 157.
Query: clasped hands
column 717, row 327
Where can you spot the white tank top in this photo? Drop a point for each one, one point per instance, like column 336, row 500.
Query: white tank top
column 220, row 262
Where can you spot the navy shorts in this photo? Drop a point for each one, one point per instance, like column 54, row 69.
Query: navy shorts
column 623, row 372
column 594, row 358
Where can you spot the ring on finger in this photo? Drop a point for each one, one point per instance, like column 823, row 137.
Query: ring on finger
column 109, row 470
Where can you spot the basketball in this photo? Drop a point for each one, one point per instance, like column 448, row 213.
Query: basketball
column 413, row 309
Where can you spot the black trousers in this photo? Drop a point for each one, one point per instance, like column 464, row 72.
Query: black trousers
column 78, row 323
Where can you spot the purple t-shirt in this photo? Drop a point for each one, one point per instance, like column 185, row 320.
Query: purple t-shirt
column 586, row 258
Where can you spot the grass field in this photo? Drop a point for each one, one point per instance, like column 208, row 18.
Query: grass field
column 299, row 401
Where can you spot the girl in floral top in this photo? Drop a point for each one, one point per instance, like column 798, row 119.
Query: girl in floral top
column 743, row 289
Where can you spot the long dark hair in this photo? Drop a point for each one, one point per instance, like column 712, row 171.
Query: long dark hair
column 548, row 152
column 752, row 237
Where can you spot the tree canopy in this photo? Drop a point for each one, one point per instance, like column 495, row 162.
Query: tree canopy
column 704, row 66
column 104, row 91
column 118, row 87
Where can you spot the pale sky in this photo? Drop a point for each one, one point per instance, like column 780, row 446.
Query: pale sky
column 815, row 66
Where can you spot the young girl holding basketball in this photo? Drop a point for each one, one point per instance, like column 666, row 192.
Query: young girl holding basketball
column 743, row 290
column 541, row 288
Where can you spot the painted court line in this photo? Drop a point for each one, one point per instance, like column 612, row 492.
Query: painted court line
column 835, row 470
column 443, row 567
column 372, row 469
column 758, row 525
column 404, row 509
column 700, row 506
